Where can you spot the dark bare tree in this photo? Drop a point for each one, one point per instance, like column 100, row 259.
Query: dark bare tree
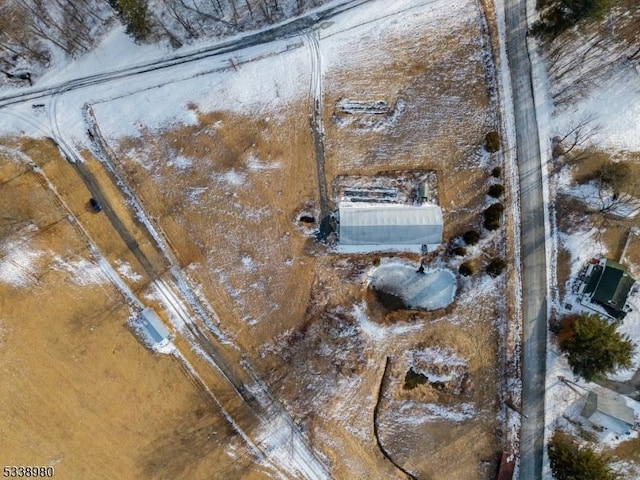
column 576, row 135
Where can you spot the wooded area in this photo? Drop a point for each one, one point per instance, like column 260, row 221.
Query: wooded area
column 585, row 42
column 32, row 32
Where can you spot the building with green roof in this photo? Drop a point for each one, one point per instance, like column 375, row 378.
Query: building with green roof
column 609, row 285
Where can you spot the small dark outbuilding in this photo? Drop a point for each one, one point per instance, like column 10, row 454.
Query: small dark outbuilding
column 507, row 466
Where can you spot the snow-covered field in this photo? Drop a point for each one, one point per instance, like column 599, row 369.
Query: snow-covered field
column 17, row 266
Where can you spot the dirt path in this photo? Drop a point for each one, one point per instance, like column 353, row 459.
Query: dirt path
column 317, row 129
column 248, row 405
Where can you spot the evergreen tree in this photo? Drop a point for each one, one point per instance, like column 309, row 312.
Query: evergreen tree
column 492, row 216
column 492, row 142
column 496, row 190
column 471, row 237
column 496, row 266
column 134, row 14
column 560, row 15
column 593, row 346
column 568, row 462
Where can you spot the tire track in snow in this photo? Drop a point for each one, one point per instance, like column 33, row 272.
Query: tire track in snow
column 283, row 30
column 276, row 425
column 317, row 127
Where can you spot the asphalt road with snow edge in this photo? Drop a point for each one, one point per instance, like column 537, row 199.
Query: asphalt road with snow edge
column 534, row 276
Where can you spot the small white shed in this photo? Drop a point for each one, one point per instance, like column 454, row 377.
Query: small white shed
column 606, row 408
column 152, row 327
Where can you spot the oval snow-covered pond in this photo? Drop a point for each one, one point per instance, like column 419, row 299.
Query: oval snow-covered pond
column 430, row 290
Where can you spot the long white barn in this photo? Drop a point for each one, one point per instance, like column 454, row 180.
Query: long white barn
column 366, row 227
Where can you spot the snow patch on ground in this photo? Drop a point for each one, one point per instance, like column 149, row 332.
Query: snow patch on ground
column 181, row 162
column 431, row 290
column 615, row 108
column 560, row 397
column 379, row 332
column 232, row 178
column 440, row 355
column 438, row 364
column 630, row 326
column 412, row 413
column 255, row 164
column 81, row 271
column 582, row 245
column 18, row 264
column 253, row 81
column 247, row 262
column 126, row 271
column 628, row 469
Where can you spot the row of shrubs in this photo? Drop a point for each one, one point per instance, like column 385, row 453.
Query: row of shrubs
column 493, row 214
column 494, row 268
column 492, row 219
column 471, row 237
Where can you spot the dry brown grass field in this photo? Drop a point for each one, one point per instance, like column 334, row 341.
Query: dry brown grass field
column 227, row 193
column 79, row 391
column 446, row 114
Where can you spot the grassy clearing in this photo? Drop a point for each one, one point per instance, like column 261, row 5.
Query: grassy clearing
column 227, row 199
column 228, row 191
column 79, row 391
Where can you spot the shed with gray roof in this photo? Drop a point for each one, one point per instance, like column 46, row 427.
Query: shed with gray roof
column 152, row 326
column 609, row 403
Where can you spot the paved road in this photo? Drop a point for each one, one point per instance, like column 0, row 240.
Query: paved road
column 534, row 270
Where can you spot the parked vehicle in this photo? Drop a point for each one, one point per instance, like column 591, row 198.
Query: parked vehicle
column 95, row 205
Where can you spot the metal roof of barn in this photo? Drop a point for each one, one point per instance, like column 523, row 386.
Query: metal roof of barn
column 390, row 224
